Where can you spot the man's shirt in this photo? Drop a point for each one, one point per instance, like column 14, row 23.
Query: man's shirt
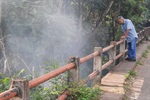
column 132, row 32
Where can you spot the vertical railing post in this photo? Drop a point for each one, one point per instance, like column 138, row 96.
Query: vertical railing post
column 112, row 54
column 98, row 64
column 147, row 31
column 73, row 74
column 23, row 86
column 0, row 12
column 139, row 38
column 146, row 34
column 142, row 36
column 137, row 41
column 123, row 48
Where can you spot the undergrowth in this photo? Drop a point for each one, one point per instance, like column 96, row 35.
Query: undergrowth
column 52, row 89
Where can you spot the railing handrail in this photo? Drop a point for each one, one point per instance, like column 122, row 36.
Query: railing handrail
column 14, row 91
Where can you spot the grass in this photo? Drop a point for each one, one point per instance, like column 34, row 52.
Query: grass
column 139, row 63
column 145, row 54
column 131, row 75
column 148, row 47
column 128, row 84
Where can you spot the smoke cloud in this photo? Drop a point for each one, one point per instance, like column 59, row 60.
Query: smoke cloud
column 37, row 32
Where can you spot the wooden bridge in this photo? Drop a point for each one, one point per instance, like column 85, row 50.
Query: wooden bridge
column 19, row 89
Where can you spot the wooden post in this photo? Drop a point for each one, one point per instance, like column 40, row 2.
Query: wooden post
column 112, row 54
column 97, row 65
column 145, row 35
column 0, row 12
column 23, row 86
column 142, row 35
column 122, row 49
column 147, row 32
column 137, row 41
column 73, row 74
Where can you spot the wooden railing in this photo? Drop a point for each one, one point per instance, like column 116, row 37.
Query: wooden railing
column 20, row 87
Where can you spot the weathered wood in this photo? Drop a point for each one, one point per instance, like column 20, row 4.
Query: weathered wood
column 97, row 65
column 122, row 49
column 73, row 74
column 112, row 54
column 23, row 86
column 0, row 11
column 147, row 33
column 142, row 36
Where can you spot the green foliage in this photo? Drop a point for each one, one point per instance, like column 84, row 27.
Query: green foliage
column 84, row 92
column 18, row 75
column 139, row 63
column 147, row 14
column 105, row 59
column 132, row 73
column 91, row 12
column 119, row 34
column 127, row 76
column 148, row 47
column 134, row 10
column 51, row 89
column 145, row 54
column 46, row 93
column 4, row 82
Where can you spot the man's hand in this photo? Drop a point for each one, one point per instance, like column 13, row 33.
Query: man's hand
column 125, row 34
column 123, row 37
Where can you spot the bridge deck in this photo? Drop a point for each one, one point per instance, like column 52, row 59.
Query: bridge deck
column 141, row 85
column 112, row 83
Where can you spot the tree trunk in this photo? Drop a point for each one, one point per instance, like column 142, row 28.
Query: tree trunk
column 60, row 6
column 103, row 16
column 80, row 15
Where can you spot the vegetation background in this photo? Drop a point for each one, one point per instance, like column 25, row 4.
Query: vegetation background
column 41, row 34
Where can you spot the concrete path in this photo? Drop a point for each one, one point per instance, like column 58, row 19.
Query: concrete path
column 113, row 82
column 141, row 85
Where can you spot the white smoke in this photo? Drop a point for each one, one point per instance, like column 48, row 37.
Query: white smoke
column 37, row 33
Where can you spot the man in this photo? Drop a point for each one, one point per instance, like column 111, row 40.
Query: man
column 130, row 35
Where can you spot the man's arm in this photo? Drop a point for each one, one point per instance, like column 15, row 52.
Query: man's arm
column 125, row 34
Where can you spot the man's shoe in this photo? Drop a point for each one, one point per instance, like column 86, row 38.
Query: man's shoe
column 128, row 59
column 133, row 60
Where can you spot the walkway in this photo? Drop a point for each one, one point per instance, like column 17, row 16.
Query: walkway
column 141, row 86
column 113, row 82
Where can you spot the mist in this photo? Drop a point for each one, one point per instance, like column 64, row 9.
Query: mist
column 37, row 32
